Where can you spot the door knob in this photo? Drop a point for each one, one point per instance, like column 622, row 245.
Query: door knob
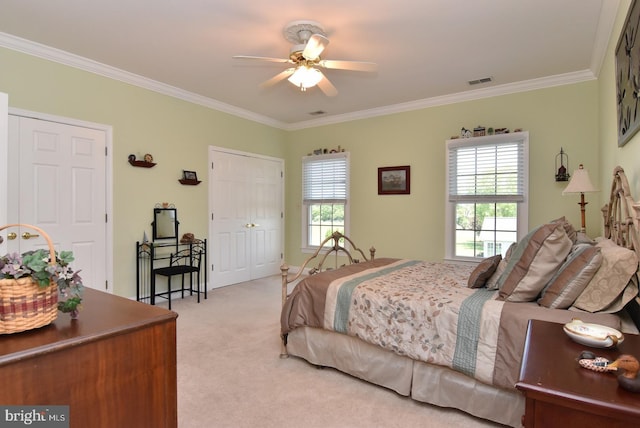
column 11, row 236
column 27, row 235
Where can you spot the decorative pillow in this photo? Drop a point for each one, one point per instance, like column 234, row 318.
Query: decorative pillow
column 492, row 282
column 568, row 227
column 483, row 271
column 619, row 264
column 533, row 263
column 629, row 292
column 572, row 277
column 582, row 238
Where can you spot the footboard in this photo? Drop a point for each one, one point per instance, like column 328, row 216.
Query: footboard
column 335, row 245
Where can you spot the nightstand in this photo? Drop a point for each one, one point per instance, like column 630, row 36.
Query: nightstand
column 560, row 393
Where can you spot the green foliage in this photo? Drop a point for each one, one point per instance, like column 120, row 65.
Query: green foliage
column 37, row 265
column 327, row 213
column 471, row 216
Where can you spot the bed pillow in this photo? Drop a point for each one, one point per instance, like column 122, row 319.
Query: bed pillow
column 619, row 264
column 483, row 271
column 572, row 277
column 568, row 227
column 533, row 262
column 492, row 283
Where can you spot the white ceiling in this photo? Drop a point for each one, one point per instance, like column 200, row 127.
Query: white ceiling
column 426, row 50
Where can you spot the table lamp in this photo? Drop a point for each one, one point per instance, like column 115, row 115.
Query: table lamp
column 580, row 183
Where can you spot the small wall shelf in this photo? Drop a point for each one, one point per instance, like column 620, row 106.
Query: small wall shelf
column 188, row 182
column 142, row 164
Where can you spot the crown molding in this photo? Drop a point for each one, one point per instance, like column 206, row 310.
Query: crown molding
column 12, row 42
column 494, row 91
column 56, row 55
column 606, row 22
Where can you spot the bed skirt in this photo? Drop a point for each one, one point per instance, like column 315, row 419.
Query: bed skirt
column 423, row 382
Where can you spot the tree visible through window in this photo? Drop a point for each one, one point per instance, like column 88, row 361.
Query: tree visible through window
column 325, row 194
column 486, row 206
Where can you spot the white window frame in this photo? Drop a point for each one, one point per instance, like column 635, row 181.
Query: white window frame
column 522, row 207
column 305, row 247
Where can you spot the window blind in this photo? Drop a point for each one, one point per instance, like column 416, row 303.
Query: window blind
column 325, row 178
column 486, row 172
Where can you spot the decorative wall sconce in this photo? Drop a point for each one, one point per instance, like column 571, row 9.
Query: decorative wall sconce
column 562, row 173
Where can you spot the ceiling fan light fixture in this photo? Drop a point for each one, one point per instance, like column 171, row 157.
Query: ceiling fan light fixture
column 305, row 77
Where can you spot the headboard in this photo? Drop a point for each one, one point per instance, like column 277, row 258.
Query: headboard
column 622, row 214
column 622, row 225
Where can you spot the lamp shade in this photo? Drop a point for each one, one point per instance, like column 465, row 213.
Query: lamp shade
column 580, row 182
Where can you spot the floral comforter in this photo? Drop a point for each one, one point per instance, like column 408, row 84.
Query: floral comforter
column 423, row 310
column 419, row 309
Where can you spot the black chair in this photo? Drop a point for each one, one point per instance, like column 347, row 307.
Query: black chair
column 183, row 262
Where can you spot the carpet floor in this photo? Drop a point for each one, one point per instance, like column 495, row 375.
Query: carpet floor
column 230, row 373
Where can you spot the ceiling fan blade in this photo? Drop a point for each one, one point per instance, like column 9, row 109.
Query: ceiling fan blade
column 263, row 58
column 277, row 78
column 316, row 44
column 327, row 87
column 349, row 65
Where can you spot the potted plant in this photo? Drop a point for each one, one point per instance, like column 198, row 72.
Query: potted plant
column 35, row 285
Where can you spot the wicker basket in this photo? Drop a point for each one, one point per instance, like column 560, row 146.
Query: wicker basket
column 24, row 304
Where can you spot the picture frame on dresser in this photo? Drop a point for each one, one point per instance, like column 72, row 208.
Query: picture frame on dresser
column 627, row 60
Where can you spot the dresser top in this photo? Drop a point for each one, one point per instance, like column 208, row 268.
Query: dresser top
column 550, row 370
column 101, row 315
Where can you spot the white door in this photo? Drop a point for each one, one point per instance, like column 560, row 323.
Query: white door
column 267, row 217
column 4, row 151
column 57, row 181
column 246, row 204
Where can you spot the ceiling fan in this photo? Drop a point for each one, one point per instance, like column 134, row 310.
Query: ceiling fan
column 309, row 41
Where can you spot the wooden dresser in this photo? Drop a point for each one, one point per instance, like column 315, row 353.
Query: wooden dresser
column 559, row 393
column 115, row 366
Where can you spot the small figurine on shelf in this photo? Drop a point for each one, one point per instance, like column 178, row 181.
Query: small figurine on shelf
column 479, row 131
column 465, row 133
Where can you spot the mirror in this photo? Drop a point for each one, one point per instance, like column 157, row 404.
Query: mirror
column 165, row 223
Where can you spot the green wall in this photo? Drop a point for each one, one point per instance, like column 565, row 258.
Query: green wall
column 412, row 226
column 177, row 134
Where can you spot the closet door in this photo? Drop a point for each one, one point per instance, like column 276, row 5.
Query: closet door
column 246, row 205
column 57, row 181
column 267, row 217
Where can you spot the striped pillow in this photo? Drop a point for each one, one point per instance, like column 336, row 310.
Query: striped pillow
column 572, row 278
column 492, row 282
column 533, row 263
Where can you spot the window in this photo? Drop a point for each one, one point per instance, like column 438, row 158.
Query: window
column 486, row 206
column 325, row 193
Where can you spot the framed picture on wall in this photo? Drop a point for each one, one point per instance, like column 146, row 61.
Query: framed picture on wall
column 628, row 76
column 394, row 180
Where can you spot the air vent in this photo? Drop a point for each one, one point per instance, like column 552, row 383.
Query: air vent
column 317, row 113
column 479, row 81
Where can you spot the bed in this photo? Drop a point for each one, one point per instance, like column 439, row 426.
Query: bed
column 452, row 334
